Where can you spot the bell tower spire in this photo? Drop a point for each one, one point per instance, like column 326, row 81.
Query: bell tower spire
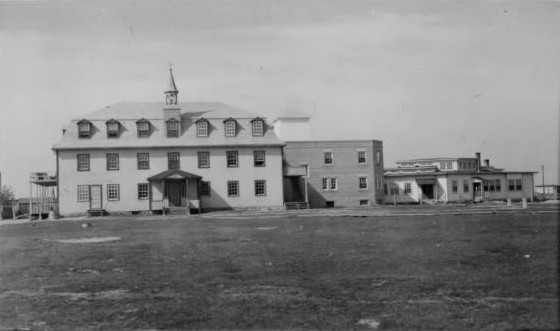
column 171, row 93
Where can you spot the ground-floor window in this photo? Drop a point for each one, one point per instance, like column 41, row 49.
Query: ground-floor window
column 143, row 191
column 465, row 186
column 394, row 189
column 83, row 193
column 364, row 202
column 204, row 188
column 260, row 187
column 454, row 187
column 233, row 188
column 515, row 185
column 407, row 188
column 362, row 183
column 113, row 192
column 518, row 185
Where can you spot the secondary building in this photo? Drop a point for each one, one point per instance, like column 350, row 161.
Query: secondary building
column 463, row 179
column 335, row 173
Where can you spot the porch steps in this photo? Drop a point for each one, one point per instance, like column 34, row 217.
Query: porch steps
column 96, row 212
column 295, row 205
column 177, row 211
column 428, row 201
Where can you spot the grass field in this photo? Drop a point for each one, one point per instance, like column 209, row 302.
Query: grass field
column 484, row 272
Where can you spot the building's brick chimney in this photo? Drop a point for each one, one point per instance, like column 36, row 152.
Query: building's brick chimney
column 477, row 161
column 487, row 163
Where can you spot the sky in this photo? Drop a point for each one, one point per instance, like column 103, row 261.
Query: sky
column 428, row 78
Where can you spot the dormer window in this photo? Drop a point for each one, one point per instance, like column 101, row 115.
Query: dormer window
column 172, row 128
column 258, row 127
column 230, row 127
column 113, row 128
column 202, row 128
column 84, row 129
column 143, row 128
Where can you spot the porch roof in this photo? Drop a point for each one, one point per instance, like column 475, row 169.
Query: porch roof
column 173, row 174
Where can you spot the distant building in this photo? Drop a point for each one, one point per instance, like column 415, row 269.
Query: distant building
column 335, row 173
column 454, row 180
column 550, row 191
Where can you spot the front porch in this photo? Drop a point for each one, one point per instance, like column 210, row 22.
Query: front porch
column 174, row 191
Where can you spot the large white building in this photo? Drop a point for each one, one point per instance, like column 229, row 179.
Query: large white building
column 147, row 156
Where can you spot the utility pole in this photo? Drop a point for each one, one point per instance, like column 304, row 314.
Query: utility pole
column 542, row 167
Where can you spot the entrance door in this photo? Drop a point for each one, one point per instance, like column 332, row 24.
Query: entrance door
column 95, row 201
column 174, row 194
column 477, row 192
column 427, row 191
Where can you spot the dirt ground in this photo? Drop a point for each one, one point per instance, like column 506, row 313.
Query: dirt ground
column 496, row 270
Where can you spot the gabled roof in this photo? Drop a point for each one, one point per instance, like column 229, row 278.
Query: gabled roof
column 153, row 110
column 173, row 174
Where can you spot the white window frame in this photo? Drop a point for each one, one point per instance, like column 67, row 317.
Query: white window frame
column 202, row 192
column 172, row 128
column 257, row 127
column 143, row 191
column 233, row 185
column 113, row 192
column 143, row 161
column 260, row 157
column 83, row 193
column 202, row 128
column 83, row 162
column 230, row 128
column 201, row 157
column 229, row 157
column 325, row 158
column 334, row 184
column 260, row 188
column 365, row 182
column 112, row 161
column 407, row 188
column 364, row 157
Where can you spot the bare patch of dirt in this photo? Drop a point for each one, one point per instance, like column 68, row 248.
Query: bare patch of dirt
column 87, row 240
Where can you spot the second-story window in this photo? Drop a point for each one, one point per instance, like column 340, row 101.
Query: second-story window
column 232, row 159
column 143, row 161
column 203, row 159
column 113, row 129
column 259, row 158
column 172, row 128
column 230, row 127
column 173, row 161
column 258, row 127
column 361, row 157
column 202, row 128
column 328, row 158
column 143, row 128
column 84, row 129
column 83, row 162
column 112, row 161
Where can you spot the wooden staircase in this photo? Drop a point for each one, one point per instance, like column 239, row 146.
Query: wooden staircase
column 295, row 205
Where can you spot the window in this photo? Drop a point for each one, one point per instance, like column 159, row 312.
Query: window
column 172, row 128
column 364, row 202
column 84, row 129
column 83, row 162
column 143, row 161
column 204, row 188
column 113, row 129
column 143, row 128
column 232, row 159
column 260, row 187
column 334, row 184
column 202, row 128
column 498, row 185
column 325, row 183
column 230, row 128
column 378, row 157
column 143, row 191
column 204, row 159
column 449, row 165
column 258, row 127
column 511, row 184
column 112, row 161
column 454, row 187
column 361, row 157
column 394, row 189
column 518, row 185
column 259, row 158
column 443, row 165
column 385, row 189
column 83, row 193
column 465, row 186
column 113, row 192
column 233, row 188
column 328, row 158
column 173, row 161
column 407, row 188
column 362, row 183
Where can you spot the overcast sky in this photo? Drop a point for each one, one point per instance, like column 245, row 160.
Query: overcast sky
column 428, row 78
